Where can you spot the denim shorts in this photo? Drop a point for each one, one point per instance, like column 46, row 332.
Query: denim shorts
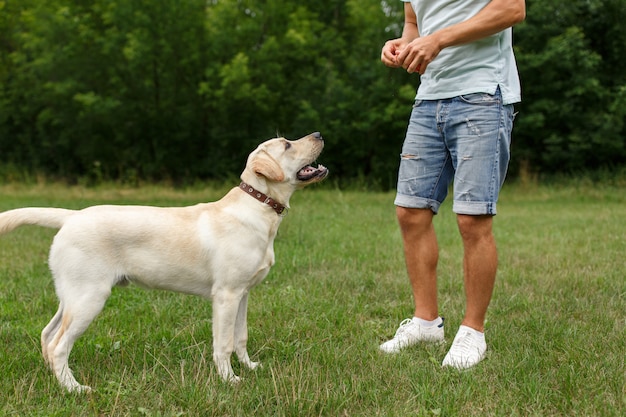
column 465, row 140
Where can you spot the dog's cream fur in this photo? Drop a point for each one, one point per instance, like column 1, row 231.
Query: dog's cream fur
column 217, row 250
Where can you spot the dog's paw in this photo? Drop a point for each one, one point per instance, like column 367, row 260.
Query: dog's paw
column 254, row 365
column 80, row 389
column 234, row 380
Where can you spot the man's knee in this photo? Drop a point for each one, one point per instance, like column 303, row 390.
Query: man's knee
column 413, row 219
column 475, row 227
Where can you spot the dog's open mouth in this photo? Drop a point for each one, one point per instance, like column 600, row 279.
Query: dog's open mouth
column 311, row 173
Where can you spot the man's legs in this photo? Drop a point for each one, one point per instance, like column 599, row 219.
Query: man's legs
column 424, row 174
column 478, row 134
column 480, row 262
column 470, row 143
column 421, row 254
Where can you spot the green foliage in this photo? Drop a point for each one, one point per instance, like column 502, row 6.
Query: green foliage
column 184, row 89
column 572, row 114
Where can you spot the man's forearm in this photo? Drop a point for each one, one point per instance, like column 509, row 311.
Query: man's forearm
column 493, row 18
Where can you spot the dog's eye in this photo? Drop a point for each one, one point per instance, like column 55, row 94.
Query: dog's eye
column 287, row 145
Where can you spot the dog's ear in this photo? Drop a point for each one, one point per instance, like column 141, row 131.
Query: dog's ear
column 263, row 164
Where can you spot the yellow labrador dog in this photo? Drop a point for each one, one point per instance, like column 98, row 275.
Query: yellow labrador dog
column 218, row 250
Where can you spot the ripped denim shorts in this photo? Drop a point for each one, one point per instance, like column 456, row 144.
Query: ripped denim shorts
column 465, row 140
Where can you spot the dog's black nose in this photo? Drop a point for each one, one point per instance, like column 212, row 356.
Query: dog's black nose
column 317, row 135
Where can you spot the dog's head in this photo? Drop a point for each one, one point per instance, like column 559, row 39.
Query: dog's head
column 279, row 166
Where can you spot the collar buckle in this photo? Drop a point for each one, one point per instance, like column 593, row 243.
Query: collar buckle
column 280, row 209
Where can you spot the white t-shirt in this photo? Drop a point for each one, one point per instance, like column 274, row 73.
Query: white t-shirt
column 477, row 67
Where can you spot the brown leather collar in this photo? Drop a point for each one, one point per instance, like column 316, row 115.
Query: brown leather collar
column 275, row 205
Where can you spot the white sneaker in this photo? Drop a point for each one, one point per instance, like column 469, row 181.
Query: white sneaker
column 411, row 332
column 468, row 348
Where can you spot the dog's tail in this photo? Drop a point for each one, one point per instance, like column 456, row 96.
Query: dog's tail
column 45, row 217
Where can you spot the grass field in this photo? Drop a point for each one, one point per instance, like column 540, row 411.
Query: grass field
column 556, row 327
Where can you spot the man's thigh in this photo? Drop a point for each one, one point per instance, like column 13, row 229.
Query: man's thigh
column 478, row 135
column 425, row 166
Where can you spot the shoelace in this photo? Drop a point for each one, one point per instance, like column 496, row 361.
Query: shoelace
column 402, row 326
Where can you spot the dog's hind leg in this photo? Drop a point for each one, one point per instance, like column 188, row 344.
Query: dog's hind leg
column 48, row 334
column 241, row 334
column 74, row 320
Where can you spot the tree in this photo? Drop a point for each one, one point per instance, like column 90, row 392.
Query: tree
column 571, row 117
column 185, row 89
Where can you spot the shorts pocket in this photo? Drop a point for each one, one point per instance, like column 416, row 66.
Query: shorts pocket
column 480, row 98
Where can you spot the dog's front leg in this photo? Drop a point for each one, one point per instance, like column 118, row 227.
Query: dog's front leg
column 225, row 307
column 241, row 334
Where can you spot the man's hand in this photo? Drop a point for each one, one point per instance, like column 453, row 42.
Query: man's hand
column 416, row 56
column 390, row 52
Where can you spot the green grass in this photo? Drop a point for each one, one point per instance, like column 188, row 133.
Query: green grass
column 556, row 327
